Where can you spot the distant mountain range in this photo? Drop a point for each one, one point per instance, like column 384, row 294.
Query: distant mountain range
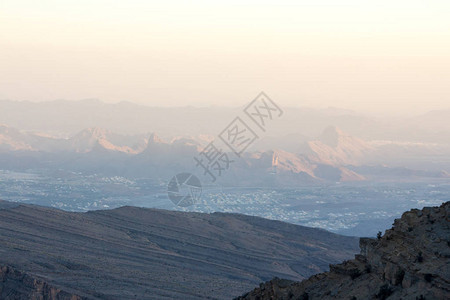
column 334, row 156
column 66, row 118
column 137, row 253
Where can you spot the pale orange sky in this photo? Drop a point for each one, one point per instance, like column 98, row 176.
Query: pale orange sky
column 365, row 55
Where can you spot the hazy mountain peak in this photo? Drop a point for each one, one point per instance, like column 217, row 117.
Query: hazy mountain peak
column 98, row 132
column 335, row 147
column 12, row 139
column 95, row 139
column 93, row 132
column 286, row 161
column 331, row 136
column 88, row 139
column 155, row 139
column 8, row 130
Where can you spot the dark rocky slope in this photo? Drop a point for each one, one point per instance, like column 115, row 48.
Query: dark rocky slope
column 136, row 253
column 411, row 261
column 18, row 285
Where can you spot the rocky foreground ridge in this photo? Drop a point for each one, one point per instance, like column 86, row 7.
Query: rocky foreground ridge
column 411, row 261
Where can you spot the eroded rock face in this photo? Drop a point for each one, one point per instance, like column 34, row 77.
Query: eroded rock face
column 18, row 285
column 411, row 261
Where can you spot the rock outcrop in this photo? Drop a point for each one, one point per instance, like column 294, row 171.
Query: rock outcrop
column 411, row 261
column 18, row 285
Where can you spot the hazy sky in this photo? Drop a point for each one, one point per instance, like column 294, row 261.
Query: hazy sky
column 365, row 55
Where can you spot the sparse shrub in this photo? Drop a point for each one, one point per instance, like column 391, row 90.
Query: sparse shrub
column 399, row 276
column 379, row 235
column 419, row 257
column 354, row 273
column 384, row 292
column 304, row 296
